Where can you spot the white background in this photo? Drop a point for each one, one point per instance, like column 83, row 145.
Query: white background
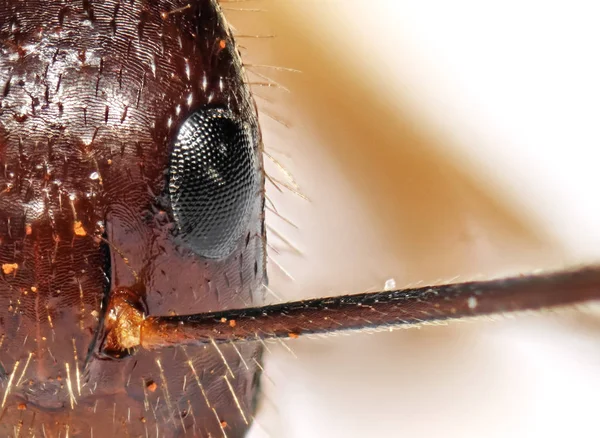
column 436, row 140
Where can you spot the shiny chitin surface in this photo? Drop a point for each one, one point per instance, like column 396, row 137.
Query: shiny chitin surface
column 369, row 311
column 92, row 95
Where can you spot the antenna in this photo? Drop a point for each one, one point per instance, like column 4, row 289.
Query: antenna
column 128, row 328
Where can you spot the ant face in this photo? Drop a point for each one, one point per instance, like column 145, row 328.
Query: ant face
column 133, row 186
column 131, row 170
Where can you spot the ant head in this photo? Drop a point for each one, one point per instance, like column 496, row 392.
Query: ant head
column 130, row 157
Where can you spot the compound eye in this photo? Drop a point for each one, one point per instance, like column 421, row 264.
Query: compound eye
column 213, row 181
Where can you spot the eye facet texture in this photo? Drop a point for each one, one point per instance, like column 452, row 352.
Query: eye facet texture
column 213, row 181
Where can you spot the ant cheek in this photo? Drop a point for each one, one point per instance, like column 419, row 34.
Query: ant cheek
column 209, row 385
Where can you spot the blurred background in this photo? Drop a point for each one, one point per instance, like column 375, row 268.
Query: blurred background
column 429, row 141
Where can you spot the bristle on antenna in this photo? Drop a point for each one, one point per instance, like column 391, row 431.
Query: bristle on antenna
column 355, row 312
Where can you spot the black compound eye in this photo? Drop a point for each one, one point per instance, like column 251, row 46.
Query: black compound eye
column 213, row 181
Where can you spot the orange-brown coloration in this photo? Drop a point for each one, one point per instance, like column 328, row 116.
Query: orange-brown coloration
column 151, row 386
column 293, row 335
column 93, row 95
column 78, row 229
column 232, row 323
column 122, row 323
column 9, row 268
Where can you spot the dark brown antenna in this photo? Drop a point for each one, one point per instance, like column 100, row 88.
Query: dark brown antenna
column 376, row 311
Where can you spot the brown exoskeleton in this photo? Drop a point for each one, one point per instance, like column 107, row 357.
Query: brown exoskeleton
column 132, row 194
column 93, row 98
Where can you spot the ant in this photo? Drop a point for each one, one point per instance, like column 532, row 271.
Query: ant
column 132, row 228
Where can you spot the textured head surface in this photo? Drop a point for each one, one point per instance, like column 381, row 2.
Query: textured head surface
column 92, row 95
